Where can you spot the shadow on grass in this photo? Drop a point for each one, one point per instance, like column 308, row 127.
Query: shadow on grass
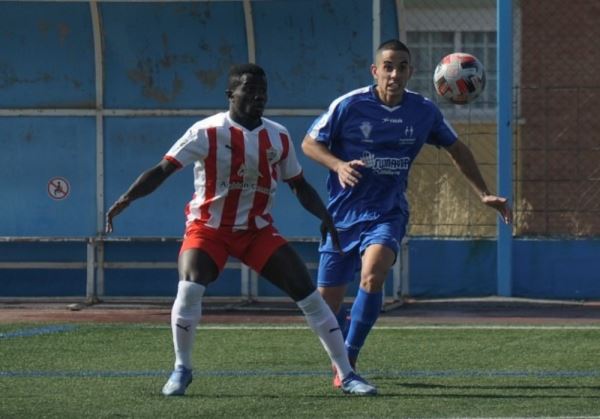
column 500, row 387
column 490, row 391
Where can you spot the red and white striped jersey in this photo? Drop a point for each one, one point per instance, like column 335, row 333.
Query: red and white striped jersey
column 235, row 170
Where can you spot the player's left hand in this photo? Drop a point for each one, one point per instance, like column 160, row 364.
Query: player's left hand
column 115, row 210
column 501, row 205
column 327, row 226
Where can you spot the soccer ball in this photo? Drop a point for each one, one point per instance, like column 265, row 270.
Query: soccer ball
column 459, row 78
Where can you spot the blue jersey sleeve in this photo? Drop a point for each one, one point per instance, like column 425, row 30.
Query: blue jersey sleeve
column 327, row 126
column 322, row 128
column 442, row 134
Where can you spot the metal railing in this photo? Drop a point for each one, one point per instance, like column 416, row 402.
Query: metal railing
column 95, row 265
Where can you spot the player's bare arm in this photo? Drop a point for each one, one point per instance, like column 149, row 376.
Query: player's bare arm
column 347, row 174
column 311, row 201
column 463, row 159
column 144, row 185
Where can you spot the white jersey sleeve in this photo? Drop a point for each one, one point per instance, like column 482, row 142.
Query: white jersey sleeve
column 193, row 144
column 289, row 164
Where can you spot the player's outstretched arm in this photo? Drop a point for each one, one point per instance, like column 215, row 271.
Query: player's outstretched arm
column 145, row 184
column 463, row 159
column 312, row 202
column 347, row 174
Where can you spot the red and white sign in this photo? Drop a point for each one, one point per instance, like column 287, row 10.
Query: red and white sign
column 58, row 188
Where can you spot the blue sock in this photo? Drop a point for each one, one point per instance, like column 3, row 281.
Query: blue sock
column 364, row 314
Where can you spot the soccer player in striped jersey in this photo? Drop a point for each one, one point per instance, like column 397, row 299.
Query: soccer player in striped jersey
column 368, row 139
column 238, row 158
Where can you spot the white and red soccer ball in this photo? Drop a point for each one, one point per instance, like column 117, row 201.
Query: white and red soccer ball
column 459, row 78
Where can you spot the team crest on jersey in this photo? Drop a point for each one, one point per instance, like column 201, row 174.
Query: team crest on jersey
column 272, row 155
column 366, row 129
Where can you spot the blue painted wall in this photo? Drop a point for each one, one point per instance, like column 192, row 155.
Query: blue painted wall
column 557, row 269
column 47, row 55
column 561, row 269
column 553, row 269
column 444, row 268
column 170, row 55
column 43, row 282
column 34, row 151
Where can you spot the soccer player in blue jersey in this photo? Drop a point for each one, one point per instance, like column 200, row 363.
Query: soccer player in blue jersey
column 368, row 140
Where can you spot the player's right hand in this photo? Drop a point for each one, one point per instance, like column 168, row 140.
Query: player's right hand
column 347, row 173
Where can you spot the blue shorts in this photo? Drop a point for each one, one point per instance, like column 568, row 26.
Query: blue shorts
column 335, row 269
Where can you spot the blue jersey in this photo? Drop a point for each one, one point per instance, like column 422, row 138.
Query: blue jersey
column 358, row 126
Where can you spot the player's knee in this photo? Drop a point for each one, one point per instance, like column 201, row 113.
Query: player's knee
column 197, row 266
column 189, row 294
column 198, row 277
column 371, row 282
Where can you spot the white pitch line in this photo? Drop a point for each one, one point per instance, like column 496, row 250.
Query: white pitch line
column 491, row 327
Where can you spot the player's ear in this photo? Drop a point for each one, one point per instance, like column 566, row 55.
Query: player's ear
column 374, row 71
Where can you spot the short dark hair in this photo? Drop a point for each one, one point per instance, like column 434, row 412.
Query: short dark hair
column 237, row 70
column 394, row 45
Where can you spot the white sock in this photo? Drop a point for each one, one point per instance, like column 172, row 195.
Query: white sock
column 185, row 316
column 323, row 322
